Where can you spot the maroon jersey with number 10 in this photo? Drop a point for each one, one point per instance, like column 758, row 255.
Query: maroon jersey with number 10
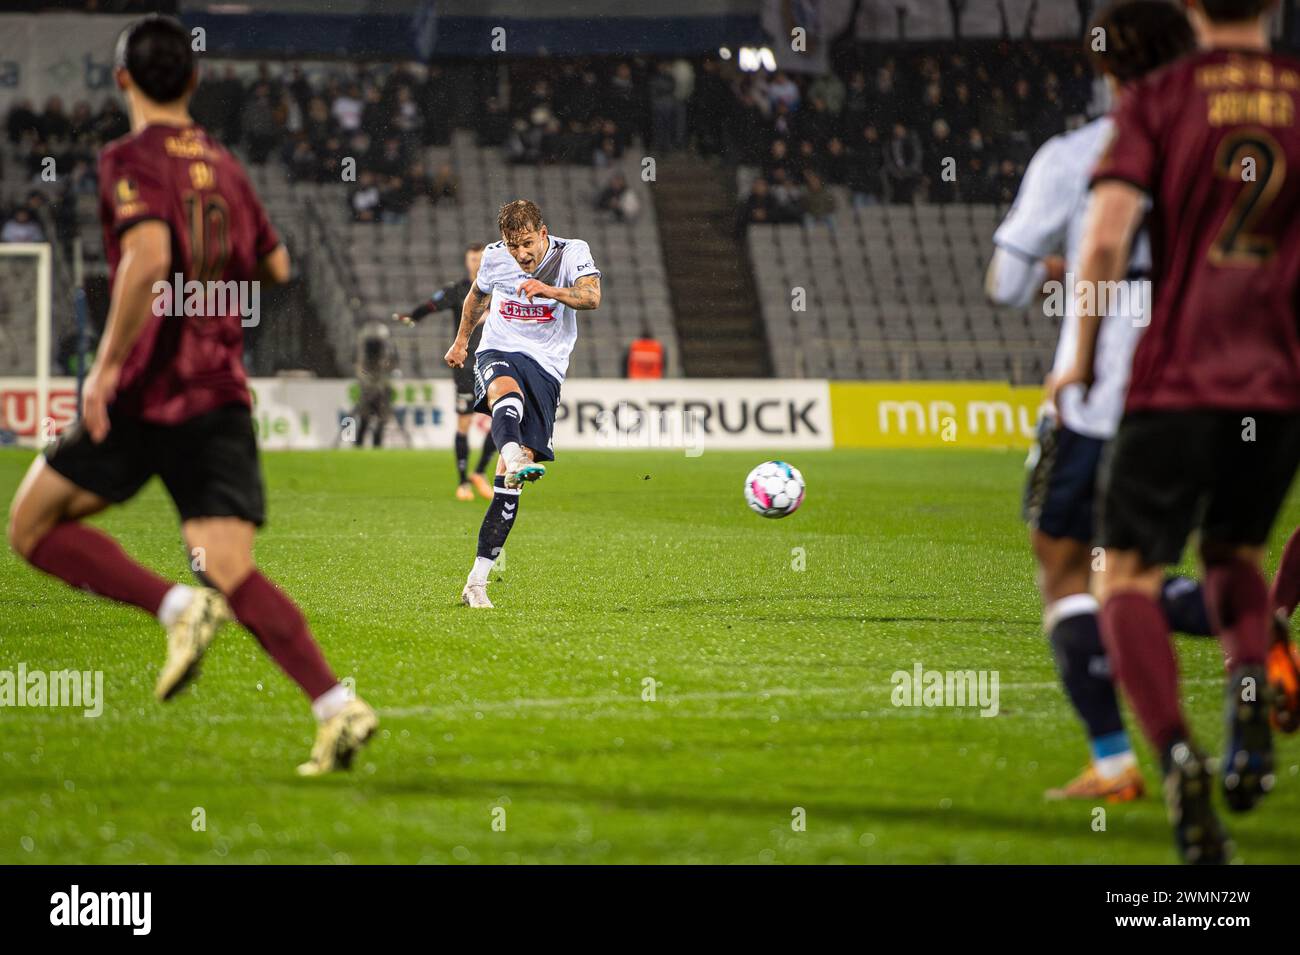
column 185, row 365
column 1213, row 140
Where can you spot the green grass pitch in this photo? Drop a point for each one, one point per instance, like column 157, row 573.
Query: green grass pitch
column 772, row 684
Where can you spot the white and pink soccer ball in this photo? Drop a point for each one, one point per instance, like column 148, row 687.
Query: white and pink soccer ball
column 774, row 489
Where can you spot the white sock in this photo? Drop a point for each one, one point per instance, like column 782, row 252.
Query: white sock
column 1108, row 767
column 331, row 702
column 482, row 567
column 510, row 452
column 174, row 603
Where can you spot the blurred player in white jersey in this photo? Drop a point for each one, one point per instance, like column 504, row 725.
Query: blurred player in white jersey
column 529, row 289
column 1048, row 218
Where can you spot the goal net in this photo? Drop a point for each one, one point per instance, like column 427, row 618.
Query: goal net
column 26, row 348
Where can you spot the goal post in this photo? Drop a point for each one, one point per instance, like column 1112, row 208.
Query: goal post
column 26, row 341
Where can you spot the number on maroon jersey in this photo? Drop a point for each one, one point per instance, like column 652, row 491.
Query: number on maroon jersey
column 1236, row 244
column 209, row 235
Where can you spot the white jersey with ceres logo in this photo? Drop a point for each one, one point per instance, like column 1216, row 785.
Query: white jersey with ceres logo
column 545, row 330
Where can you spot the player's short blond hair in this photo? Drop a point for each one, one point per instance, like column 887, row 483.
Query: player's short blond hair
column 522, row 215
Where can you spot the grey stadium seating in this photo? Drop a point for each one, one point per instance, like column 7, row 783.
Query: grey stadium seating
column 894, row 292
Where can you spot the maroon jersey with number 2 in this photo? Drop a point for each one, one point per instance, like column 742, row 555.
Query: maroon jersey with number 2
column 184, row 365
column 1213, row 140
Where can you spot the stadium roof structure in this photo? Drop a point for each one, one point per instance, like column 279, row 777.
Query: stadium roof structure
column 468, row 28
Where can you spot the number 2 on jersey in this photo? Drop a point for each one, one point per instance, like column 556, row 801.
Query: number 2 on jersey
column 1253, row 158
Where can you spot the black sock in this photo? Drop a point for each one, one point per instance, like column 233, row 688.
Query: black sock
column 1183, row 601
column 507, row 419
column 1085, row 672
column 485, row 456
column 498, row 520
column 462, row 455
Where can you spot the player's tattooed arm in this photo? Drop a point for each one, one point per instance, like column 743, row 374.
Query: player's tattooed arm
column 471, row 314
column 473, row 311
column 583, row 295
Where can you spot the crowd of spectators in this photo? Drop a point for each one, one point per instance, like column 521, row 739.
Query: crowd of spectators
column 589, row 114
column 926, row 127
column 368, row 128
column 55, row 152
column 357, row 127
column 892, row 127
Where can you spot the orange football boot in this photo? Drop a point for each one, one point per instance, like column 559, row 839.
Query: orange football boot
column 1090, row 784
column 481, row 485
column 1284, row 677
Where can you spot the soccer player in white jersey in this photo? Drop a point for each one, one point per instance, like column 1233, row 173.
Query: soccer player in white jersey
column 529, row 290
column 1047, row 218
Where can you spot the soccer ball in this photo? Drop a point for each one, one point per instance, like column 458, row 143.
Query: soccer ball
column 774, row 489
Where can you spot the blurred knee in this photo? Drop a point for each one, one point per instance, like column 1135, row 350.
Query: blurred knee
column 1126, row 571
column 19, row 534
column 221, row 552
column 25, row 527
column 224, row 568
column 1064, row 566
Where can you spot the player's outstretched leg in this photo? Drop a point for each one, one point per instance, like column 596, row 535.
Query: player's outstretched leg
column 45, row 529
column 507, row 423
column 346, row 722
column 1238, row 599
column 1283, row 657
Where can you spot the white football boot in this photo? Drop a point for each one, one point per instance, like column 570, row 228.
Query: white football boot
column 475, row 595
column 339, row 739
column 520, row 470
column 188, row 639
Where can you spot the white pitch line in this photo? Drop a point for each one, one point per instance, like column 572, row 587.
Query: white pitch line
column 758, row 696
column 524, row 703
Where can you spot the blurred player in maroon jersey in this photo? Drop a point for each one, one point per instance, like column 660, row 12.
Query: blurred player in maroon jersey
column 1211, row 430
column 167, row 396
